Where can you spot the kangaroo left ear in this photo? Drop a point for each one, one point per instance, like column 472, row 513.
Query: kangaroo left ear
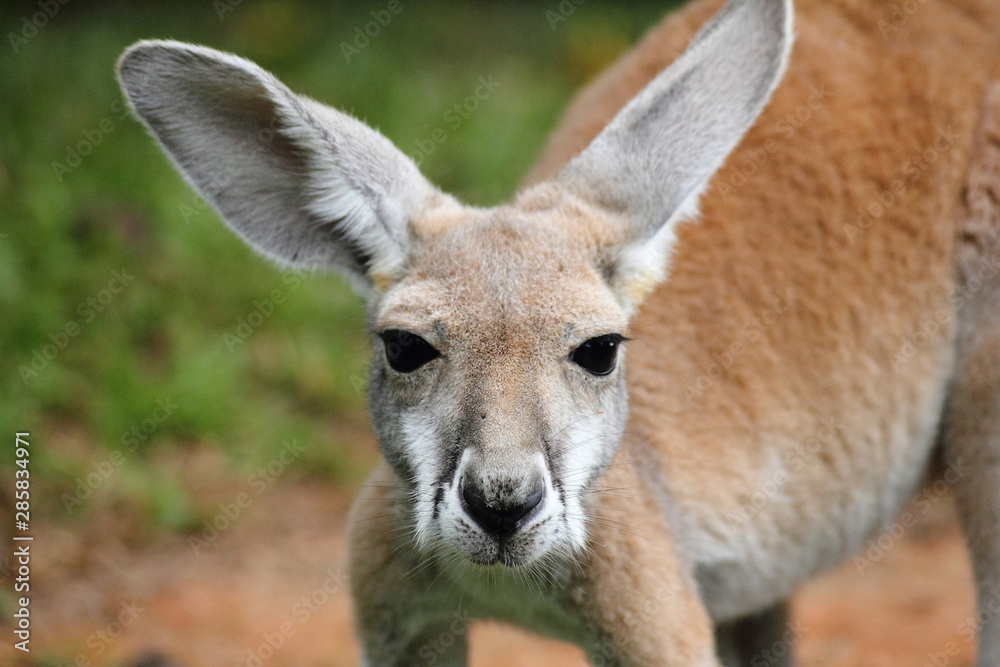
column 304, row 184
column 651, row 163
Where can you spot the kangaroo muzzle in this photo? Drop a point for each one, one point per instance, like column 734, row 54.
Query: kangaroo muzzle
column 500, row 506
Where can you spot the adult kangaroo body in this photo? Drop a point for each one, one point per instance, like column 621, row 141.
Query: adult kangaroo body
column 827, row 315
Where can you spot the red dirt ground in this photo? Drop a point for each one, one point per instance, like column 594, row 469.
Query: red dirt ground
column 219, row 606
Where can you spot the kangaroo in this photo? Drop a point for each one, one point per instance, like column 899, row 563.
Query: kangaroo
column 735, row 318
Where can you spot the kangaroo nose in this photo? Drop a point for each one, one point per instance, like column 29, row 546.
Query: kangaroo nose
column 496, row 516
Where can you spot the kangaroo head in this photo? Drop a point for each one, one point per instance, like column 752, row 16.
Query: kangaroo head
column 498, row 383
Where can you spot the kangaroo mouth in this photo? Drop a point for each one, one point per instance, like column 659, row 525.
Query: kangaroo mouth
column 502, row 552
column 513, row 549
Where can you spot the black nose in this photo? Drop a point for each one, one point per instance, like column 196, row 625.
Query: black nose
column 499, row 516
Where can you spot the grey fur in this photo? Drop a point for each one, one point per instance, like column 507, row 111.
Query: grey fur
column 302, row 183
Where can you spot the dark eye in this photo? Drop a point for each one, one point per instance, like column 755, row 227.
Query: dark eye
column 406, row 352
column 598, row 355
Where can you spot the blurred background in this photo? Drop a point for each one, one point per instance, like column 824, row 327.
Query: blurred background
column 195, row 443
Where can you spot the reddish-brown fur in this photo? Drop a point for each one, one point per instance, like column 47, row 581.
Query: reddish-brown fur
column 863, row 306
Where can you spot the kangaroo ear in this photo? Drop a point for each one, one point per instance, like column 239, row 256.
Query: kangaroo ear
column 302, row 183
column 653, row 160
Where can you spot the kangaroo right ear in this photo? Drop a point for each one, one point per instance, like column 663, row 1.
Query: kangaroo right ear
column 302, row 183
column 653, row 160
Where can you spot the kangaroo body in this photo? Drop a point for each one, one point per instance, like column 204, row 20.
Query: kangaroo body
column 821, row 337
column 803, row 346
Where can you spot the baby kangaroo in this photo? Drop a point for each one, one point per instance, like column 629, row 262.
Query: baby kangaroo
column 613, row 428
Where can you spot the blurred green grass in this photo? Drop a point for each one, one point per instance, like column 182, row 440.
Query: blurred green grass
column 70, row 221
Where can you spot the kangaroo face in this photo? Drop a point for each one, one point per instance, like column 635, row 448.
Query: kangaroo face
column 497, row 386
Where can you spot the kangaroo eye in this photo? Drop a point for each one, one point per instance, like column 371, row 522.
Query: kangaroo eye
column 598, row 355
column 406, row 352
